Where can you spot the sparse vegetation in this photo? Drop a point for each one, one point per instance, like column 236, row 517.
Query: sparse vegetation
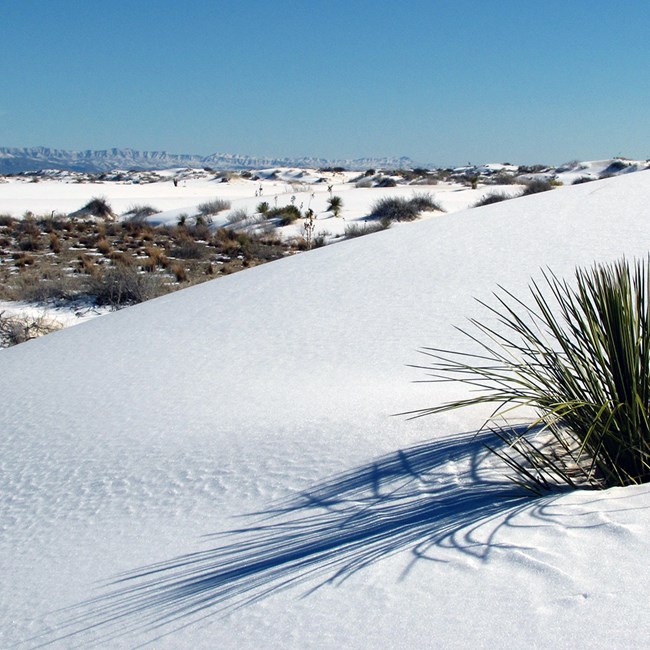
column 119, row 263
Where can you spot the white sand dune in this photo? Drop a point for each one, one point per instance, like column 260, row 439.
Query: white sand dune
column 140, row 437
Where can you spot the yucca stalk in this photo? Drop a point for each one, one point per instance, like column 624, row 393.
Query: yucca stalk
column 580, row 355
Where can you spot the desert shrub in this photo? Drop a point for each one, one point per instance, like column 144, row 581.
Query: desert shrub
column 200, row 232
column 15, row 329
column 285, row 215
column 425, row 202
column 98, row 207
column 213, row 207
column 122, row 285
column 6, row 220
column 537, row 185
column 394, row 209
column 386, row 181
column 263, row 207
column 334, row 205
column 581, row 356
column 189, row 249
column 488, row 199
column 22, row 260
column 139, row 212
column 30, row 243
column 34, row 287
column 582, row 179
column 359, row 229
column 237, row 216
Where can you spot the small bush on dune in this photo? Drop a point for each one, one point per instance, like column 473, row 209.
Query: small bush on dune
column 140, row 212
column 213, row 207
column 491, row 198
column 581, row 356
column 238, row 216
column 286, row 215
column 537, row 185
column 425, row 202
column 394, row 209
column 400, row 209
column 98, row 207
column 358, row 230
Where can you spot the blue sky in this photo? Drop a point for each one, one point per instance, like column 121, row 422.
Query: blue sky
column 444, row 82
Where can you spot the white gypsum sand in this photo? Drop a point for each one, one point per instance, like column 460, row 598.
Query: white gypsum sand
column 139, row 437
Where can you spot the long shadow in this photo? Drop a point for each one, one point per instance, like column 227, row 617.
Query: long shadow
column 430, row 496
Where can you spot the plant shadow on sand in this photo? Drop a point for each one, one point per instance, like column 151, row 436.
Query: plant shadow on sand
column 443, row 494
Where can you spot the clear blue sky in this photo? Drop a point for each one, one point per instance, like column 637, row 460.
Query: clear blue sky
column 443, row 82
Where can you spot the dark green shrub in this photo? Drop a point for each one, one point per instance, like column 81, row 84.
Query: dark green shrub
column 285, row 215
column 580, row 355
column 424, row 202
column 334, row 205
column 394, row 209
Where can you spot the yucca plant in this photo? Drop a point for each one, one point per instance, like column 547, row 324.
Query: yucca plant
column 334, row 205
column 580, row 355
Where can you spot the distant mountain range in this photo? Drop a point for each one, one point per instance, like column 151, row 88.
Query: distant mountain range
column 15, row 160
